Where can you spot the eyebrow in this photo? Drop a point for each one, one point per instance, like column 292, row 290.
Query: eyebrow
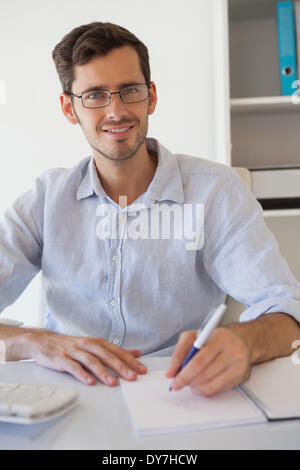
column 105, row 87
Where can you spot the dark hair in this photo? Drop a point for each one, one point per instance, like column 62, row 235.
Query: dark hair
column 85, row 42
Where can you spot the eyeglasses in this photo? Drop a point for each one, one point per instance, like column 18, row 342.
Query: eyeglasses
column 99, row 98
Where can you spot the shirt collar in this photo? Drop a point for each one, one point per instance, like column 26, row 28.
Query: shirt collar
column 90, row 183
column 165, row 186
column 167, row 183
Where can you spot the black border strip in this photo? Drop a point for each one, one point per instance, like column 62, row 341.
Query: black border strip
column 280, row 203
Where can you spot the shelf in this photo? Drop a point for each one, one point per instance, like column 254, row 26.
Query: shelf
column 282, row 213
column 265, row 104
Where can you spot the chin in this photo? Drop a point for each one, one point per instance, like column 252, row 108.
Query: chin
column 116, row 155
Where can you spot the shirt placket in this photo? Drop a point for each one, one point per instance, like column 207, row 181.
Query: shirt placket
column 114, row 282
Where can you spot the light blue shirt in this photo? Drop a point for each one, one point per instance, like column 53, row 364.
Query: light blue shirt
column 140, row 292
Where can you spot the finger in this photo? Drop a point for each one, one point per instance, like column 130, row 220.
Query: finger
column 93, row 364
column 220, row 383
column 215, row 367
column 108, row 355
column 196, row 366
column 75, row 369
column 183, row 346
column 118, row 359
column 141, row 368
column 134, row 352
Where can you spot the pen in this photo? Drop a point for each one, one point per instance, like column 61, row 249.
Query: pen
column 204, row 333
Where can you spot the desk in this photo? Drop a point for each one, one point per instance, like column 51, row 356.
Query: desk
column 101, row 421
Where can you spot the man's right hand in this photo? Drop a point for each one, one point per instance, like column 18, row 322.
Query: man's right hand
column 84, row 358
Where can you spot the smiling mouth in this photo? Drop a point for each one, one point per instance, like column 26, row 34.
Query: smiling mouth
column 120, row 129
column 120, row 132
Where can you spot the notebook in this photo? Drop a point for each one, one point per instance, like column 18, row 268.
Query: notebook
column 272, row 392
column 275, row 387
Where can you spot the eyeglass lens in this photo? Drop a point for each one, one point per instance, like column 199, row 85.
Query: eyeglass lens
column 100, row 98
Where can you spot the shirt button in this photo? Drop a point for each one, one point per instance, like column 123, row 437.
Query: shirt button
column 116, row 341
column 115, row 258
column 113, row 302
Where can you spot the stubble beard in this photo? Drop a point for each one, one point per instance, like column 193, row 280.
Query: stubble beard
column 118, row 151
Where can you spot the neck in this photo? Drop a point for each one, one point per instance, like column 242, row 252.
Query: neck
column 129, row 178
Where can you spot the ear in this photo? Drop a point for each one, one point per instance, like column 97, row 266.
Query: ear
column 67, row 108
column 152, row 98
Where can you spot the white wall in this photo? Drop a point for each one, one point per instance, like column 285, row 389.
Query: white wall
column 34, row 135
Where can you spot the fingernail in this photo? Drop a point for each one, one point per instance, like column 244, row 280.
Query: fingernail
column 131, row 374
column 111, row 380
column 89, row 380
column 174, row 386
column 142, row 368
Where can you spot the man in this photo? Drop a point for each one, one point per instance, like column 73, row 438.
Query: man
column 111, row 298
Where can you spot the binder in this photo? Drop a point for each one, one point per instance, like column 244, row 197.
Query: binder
column 286, row 46
column 297, row 26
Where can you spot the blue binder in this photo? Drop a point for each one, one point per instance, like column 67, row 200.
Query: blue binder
column 287, row 46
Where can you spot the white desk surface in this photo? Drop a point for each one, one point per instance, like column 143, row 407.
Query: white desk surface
column 101, row 421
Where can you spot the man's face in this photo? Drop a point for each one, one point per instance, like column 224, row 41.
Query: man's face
column 120, row 66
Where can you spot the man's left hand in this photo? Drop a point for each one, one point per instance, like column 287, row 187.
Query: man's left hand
column 222, row 363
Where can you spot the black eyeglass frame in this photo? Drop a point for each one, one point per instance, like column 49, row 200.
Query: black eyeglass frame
column 110, row 96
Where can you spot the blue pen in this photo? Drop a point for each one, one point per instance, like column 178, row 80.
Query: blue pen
column 212, row 320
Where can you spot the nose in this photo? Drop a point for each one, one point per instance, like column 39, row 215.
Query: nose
column 116, row 108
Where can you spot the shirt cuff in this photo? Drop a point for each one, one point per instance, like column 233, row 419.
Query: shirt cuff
column 272, row 305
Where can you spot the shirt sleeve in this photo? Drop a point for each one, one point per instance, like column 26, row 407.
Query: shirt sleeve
column 21, row 243
column 242, row 256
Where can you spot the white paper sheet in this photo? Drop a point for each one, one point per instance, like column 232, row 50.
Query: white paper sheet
column 155, row 409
